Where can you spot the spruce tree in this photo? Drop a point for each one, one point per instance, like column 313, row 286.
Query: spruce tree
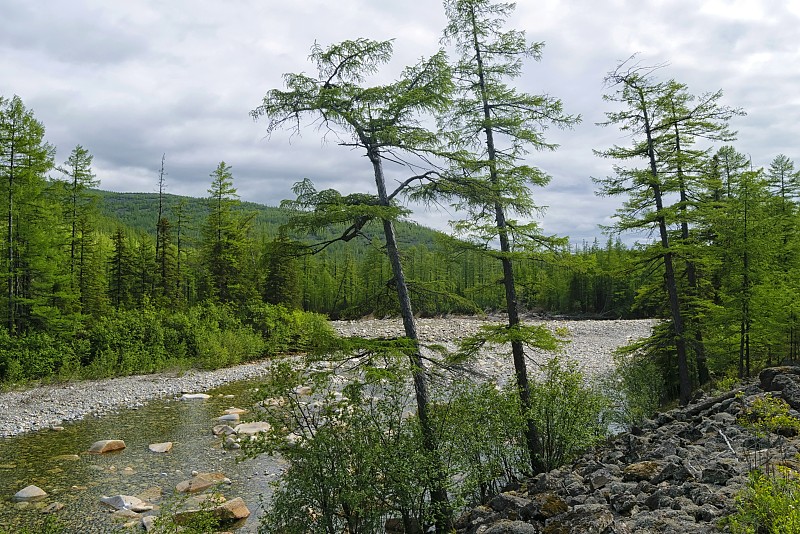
column 225, row 241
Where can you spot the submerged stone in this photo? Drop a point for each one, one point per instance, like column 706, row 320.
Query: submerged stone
column 200, row 482
column 160, row 447
column 29, row 494
column 107, row 445
column 195, row 396
column 126, row 502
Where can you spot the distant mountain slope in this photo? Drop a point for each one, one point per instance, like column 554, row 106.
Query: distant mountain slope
column 138, row 211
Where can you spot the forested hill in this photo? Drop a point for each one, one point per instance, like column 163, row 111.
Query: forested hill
column 351, row 279
column 139, row 211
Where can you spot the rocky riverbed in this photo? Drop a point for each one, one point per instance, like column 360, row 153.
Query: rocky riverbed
column 591, row 343
column 678, row 472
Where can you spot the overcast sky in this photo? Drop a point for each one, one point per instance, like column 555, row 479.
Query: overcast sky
column 132, row 80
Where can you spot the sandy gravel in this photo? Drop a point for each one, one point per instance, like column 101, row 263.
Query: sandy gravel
column 591, row 344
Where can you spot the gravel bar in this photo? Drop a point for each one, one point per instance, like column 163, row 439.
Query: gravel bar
column 592, row 343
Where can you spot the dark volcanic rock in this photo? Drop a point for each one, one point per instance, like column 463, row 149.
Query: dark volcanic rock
column 677, row 472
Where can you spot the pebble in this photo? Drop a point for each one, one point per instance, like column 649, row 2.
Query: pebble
column 39, row 408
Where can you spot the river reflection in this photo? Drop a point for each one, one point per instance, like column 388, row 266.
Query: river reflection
column 47, row 459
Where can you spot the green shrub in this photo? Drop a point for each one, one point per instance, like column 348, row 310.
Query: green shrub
column 33, row 356
column 482, row 439
column 770, row 504
column 287, row 330
column 568, row 413
column 123, row 342
column 635, row 388
column 353, row 459
column 126, row 342
column 769, row 414
column 356, row 458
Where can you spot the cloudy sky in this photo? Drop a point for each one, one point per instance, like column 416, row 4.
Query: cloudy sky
column 132, row 80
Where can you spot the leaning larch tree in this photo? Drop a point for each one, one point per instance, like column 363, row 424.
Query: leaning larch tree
column 385, row 122
column 490, row 128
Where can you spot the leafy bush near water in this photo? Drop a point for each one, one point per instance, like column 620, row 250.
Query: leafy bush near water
column 635, row 388
column 148, row 340
column 355, row 454
column 568, row 412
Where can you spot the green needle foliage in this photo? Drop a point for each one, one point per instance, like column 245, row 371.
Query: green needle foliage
column 664, row 120
column 385, row 121
column 491, row 127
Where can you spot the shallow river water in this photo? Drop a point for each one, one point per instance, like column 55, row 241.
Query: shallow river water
column 47, row 459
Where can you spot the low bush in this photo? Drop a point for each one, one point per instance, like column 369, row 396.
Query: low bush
column 635, row 389
column 568, row 412
column 287, row 330
column 355, row 454
column 147, row 340
column 482, row 439
column 34, row 356
column 770, row 504
column 126, row 342
column 354, row 459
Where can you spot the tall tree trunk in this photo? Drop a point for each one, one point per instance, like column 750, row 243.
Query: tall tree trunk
column 744, row 342
column 439, row 498
column 670, row 281
column 517, row 349
column 11, row 272
column 703, row 375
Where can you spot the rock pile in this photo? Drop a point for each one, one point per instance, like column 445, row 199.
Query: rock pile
column 677, row 472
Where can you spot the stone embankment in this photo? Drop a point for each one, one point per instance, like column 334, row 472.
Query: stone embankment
column 49, row 406
column 678, row 472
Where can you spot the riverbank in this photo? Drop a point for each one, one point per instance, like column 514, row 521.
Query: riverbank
column 681, row 471
column 591, row 344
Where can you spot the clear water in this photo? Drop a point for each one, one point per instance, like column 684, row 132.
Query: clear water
column 80, row 483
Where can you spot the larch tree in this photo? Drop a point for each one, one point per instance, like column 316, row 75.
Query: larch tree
column 750, row 249
column 691, row 118
column 491, row 127
column 79, row 179
column 783, row 179
column 179, row 212
column 383, row 121
column 25, row 158
column 646, row 187
column 784, row 182
column 165, row 284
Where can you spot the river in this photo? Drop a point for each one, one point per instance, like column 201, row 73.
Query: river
column 56, row 461
column 48, row 459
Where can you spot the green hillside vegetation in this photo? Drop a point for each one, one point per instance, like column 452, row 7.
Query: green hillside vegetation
column 79, row 254
column 137, row 211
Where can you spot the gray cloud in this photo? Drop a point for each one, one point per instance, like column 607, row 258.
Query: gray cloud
column 133, row 80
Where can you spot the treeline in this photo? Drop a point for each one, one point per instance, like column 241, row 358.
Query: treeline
column 73, row 254
column 590, row 279
column 83, row 298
